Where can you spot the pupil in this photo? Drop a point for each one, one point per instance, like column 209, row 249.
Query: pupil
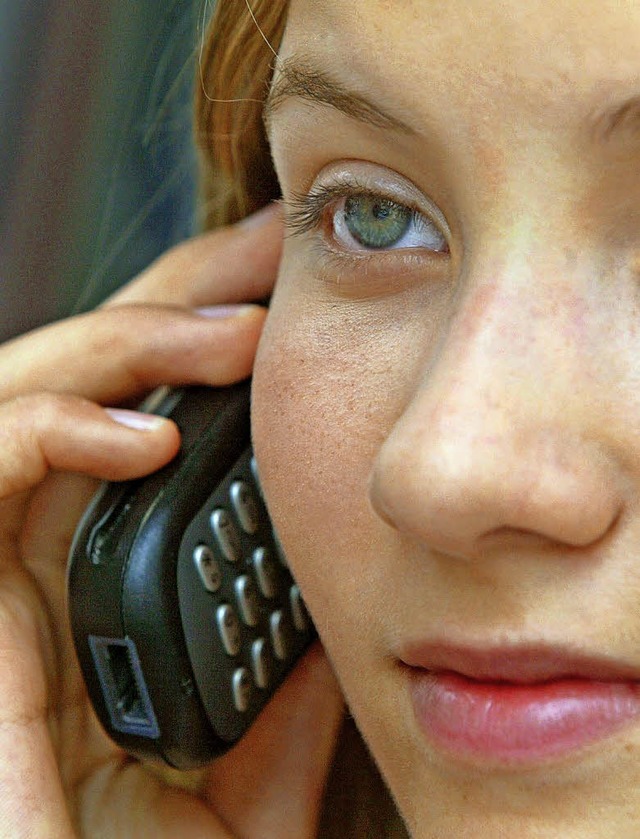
column 376, row 223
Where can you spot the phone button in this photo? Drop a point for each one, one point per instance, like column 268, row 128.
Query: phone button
column 242, row 686
column 248, row 600
column 208, row 568
column 298, row 609
column 229, row 629
column 280, row 550
column 254, row 472
column 245, row 506
column 261, row 662
column 280, row 634
column 266, row 569
column 226, row 535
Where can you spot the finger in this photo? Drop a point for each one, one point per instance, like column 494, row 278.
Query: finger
column 123, row 800
column 32, row 802
column 39, row 432
column 270, row 786
column 115, row 354
column 230, row 264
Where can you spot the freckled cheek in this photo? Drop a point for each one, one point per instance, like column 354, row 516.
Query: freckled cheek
column 315, row 442
column 301, row 425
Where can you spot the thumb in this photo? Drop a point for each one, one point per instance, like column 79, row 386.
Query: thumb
column 270, row 785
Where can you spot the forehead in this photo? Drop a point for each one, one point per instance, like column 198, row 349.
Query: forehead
column 539, row 54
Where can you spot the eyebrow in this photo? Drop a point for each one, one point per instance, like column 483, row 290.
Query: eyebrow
column 297, row 78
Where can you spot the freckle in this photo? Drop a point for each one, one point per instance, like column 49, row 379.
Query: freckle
column 491, row 161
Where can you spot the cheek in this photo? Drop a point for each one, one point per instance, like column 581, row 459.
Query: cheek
column 321, row 410
column 332, row 376
column 322, row 405
column 312, row 445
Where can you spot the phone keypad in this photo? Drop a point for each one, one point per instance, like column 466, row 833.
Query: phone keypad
column 256, row 610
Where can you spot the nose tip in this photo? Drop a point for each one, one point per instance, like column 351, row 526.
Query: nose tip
column 456, row 485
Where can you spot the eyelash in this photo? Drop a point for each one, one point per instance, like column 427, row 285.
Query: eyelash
column 305, row 211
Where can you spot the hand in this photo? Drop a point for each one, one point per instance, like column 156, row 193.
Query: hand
column 60, row 776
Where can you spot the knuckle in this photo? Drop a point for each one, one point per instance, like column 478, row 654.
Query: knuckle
column 42, row 408
column 124, row 331
column 28, row 424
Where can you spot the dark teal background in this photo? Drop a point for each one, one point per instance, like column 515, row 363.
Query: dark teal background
column 97, row 166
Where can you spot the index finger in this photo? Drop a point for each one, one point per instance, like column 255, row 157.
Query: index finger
column 228, row 265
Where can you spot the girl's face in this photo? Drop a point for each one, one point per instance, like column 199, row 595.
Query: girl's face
column 447, row 396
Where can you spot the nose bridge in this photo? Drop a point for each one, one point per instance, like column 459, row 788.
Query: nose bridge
column 494, row 438
column 520, row 330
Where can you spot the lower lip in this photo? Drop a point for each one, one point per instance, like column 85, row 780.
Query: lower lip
column 519, row 723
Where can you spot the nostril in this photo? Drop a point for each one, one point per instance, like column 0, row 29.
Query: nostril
column 531, row 539
column 532, row 488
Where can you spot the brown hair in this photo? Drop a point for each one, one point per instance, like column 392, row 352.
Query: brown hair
column 236, row 67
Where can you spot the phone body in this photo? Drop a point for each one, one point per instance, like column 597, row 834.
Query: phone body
column 184, row 614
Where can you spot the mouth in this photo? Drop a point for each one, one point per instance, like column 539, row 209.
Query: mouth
column 517, row 705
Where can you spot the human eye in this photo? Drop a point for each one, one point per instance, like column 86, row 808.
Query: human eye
column 358, row 218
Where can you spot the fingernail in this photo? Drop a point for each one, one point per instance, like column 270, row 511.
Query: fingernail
column 135, row 419
column 228, row 310
column 260, row 217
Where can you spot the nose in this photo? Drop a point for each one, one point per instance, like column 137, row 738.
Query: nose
column 504, row 436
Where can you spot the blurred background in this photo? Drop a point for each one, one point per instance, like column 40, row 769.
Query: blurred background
column 97, row 168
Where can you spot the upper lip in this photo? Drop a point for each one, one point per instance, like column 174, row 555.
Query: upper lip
column 522, row 663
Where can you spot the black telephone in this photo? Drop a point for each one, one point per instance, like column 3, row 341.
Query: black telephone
column 184, row 614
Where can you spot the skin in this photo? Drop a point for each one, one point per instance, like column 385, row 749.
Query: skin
column 449, row 444
column 60, row 776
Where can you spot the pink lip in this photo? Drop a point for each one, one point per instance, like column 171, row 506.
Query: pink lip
column 518, row 705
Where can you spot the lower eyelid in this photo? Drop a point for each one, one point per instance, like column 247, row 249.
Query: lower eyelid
column 367, row 275
column 370, row 261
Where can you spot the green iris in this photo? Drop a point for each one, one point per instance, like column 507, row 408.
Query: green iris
column 376, row 222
